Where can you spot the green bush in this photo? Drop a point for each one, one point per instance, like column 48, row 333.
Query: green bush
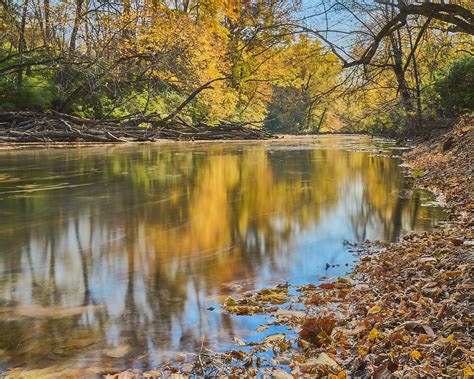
column 136, row 100
column 455, row 88
column 36, row 93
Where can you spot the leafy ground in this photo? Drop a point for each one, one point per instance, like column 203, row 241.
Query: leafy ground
column 403, row 312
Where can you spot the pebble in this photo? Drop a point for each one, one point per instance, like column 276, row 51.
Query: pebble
column 181, row 358
column 284, row 361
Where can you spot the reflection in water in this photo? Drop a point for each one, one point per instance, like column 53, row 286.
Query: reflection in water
column 110, row 256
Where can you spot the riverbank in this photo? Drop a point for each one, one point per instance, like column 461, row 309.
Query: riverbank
column 403, row 311
column 53, row 129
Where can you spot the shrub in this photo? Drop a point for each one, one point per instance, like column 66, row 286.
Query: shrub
column 36, row 93
column 455, row 88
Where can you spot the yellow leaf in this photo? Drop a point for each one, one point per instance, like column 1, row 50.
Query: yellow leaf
column 415, row 354
column 230, row 302
column 468, row 371
column 362, row 352
column 451, row 338
column 373, row 334
column 374, row 309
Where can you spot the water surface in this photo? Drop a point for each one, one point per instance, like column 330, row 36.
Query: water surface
column 110, row 256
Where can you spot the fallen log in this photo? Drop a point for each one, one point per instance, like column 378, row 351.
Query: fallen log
column 59, row 127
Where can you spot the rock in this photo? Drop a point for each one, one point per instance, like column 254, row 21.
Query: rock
column 152, row 374
column 280, row 374
column 231, row 287
column 187, row 368
column 290, row 313
column 181, row 358
column 284, row 361
column 326, row 360
column 448, row 144
column 274, row 338
column 118, row 351
column 322, row 360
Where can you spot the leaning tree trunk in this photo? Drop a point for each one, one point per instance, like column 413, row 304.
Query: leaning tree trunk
column 400, row 75
column 403, row 88
column 416, row 73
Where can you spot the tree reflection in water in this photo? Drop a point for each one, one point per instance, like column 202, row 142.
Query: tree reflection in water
column 110, row 256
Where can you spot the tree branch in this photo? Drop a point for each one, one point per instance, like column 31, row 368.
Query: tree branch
column 196, row 92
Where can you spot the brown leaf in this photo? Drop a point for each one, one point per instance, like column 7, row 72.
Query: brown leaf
column 317, row 330
column 327, row 286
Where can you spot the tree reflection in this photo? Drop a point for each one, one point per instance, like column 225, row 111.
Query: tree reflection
column 130, row 242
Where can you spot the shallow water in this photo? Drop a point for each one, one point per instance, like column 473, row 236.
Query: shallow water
column 110, row 256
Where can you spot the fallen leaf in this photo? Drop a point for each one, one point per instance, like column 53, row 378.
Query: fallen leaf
column 230, row 302
column 317, row 330
column 468, row 371
column 327, row 286
column 374, row 309
column 374, row 333
column 398, row 338
column 343, row 280
column 239, row 341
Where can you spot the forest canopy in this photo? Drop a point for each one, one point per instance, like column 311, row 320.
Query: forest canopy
column 288, row 65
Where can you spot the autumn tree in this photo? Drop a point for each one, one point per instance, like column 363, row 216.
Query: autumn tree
column 382, row 46
column 293, row 64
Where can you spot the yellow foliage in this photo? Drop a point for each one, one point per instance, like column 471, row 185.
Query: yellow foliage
column 374, row 333
column 374, row 309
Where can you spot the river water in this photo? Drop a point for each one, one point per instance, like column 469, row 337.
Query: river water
column 111, row 256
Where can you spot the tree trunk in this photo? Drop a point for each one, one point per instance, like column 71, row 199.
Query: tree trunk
column 419, row 114
column 21, row 43
column 75, row 28
column 47, row 24
column 320, row 125
column 400, row 75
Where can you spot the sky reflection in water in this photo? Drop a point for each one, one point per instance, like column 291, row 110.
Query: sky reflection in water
column 109, row 256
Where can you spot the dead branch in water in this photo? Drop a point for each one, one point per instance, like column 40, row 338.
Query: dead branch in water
column 59, row 127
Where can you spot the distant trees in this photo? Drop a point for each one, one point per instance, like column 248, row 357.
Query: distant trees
column 303, row 94
column 373, row 64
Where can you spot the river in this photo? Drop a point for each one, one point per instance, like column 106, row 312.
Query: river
column 115, row 257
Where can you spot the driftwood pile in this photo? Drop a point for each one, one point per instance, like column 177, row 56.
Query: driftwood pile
column 58, row 127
